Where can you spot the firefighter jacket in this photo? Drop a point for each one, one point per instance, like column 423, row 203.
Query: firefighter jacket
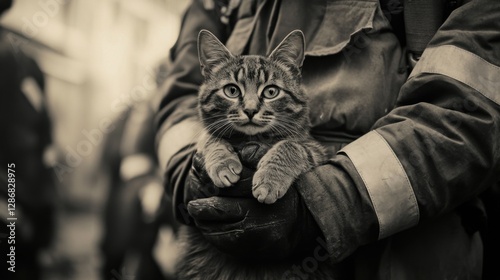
column 413, row 146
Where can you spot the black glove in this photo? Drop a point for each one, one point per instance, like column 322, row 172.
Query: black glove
column 236, row 223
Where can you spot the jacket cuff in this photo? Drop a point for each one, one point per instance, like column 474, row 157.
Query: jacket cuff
column 386, row 181
column 175, row 181
column 342, row 211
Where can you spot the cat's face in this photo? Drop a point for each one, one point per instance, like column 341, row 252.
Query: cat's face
column 252, row 94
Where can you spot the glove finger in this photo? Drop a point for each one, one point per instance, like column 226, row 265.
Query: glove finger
column 196, row 188
column 245, row 227
column 216, row 209
column 252, row 152
column 231, row 209
column 226, row 209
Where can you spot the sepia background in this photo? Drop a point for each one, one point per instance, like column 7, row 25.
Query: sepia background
column 100, row 59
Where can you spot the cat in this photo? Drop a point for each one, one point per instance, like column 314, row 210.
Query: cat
column 256, row 96
column 259, row 98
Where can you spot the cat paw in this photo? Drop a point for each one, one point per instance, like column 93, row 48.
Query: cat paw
column 226, row 173
column 265, row 194
column 267, row 190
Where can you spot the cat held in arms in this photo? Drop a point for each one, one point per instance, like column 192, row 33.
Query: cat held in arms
column 253, row 96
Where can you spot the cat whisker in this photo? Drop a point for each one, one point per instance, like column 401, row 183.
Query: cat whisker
column 276, row 128
column 268, row 117
column 293, row 125
column 220, row 130
column 289, row 130
column 215, row 116
column 277, row 131
column 215, row 128
column 205, row 131
column 218, row 127
column 288, row 120
column 227, row 128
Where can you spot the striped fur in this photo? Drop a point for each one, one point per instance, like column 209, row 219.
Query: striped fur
column 260, row 98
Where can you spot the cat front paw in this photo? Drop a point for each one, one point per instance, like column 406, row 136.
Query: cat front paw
column 225, row 173
column 268, row 187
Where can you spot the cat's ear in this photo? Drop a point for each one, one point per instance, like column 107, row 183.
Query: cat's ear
column 211, row 51
column 291, row 50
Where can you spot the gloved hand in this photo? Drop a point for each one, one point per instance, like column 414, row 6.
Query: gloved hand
column 236, row 223
column 326, row 202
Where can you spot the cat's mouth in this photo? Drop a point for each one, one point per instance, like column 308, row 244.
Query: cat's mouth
column 251, row 128
column 250, row 124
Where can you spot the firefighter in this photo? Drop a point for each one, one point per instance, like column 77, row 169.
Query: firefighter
column 413, row 151
column 26, row 149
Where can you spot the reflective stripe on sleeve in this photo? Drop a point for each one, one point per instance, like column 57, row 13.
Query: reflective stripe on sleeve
column 177, row 137
column 385, row 179
column 462, row 66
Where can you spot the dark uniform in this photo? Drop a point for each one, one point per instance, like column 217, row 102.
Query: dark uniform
column 414, row 148
column 27, row 134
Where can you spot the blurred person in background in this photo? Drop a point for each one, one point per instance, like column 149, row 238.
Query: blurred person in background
column 26, row 142
column 137, row 211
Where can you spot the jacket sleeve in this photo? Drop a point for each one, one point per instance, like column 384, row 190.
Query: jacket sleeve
column 177, row 118
column 439, row 147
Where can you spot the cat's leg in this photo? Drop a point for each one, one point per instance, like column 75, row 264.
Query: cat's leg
column 281, row 165
column 221, row 162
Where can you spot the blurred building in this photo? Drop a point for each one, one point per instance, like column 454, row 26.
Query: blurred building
column 98, row 57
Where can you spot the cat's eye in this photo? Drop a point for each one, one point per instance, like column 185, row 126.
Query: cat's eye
column 271, row 92
column 232, row 91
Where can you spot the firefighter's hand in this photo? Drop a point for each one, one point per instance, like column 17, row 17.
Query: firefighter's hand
column 236, row 223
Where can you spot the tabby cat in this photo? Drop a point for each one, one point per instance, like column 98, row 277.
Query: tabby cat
column 253, row 96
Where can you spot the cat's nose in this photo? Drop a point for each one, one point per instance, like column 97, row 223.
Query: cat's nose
column 250, row 113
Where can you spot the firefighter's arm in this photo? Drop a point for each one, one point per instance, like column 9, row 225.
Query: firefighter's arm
column 439, row 148
column 177, row 120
